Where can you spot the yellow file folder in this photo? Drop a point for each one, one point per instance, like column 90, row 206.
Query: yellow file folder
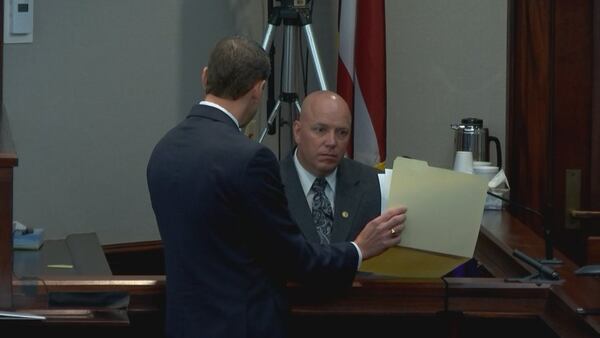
column 444, row 214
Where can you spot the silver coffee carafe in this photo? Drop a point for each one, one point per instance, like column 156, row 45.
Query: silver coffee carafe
column 470, row 135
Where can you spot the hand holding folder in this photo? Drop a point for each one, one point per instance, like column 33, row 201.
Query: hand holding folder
column 443, row 219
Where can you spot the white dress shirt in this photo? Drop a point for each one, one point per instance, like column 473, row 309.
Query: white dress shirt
column 214, row 105
column 307, row 179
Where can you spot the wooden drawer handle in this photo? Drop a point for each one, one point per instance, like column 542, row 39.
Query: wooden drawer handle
column 585, row 214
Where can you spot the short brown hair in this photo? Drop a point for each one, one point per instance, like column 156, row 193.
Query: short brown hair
column 234, row 66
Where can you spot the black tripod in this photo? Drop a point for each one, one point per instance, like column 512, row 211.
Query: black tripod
column 294, row 14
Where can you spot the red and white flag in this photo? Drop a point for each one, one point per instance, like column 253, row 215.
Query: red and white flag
column 361, row 76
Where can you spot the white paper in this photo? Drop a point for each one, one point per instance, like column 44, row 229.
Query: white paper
column 385, row 180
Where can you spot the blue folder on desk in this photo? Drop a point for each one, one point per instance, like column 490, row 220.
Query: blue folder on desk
column 31, row 240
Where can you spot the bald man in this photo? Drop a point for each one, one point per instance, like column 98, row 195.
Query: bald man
column 352, row 195
column 230, row 244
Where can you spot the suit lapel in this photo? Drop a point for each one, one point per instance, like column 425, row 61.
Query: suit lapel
column 297, row 200
column 347, row 201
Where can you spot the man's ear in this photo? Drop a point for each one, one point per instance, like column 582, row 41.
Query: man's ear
column 296, row 130
column 204, row 76
column 258, row 88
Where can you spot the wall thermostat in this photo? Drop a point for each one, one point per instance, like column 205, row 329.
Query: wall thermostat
column 22, row 17
column 18, row 21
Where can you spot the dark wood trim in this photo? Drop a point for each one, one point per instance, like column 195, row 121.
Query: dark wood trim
column 6, row 265
column 1, row 53
column 593, row 250
column 141, row 258
column 146, row 292
column 572, row 95
column 549, row 118
column 8, row 160
column 496, row 255
column 127, row 248
column 529, row 104
column 595, row 137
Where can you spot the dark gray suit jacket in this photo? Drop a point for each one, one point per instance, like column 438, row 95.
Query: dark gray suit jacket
column 357, row 196
column 230, row 243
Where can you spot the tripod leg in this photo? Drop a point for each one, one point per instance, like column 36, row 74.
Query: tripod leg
column 294, row 116
column 272, row 117
column 297, row 104
column 268, row 38
column 274, row 20
column 294, row 112
column 310, row 39
column 288, row 121
column 289, row 52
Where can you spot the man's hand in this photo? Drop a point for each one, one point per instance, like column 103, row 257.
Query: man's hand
column 381, row 233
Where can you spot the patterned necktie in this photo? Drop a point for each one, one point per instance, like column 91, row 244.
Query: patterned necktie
column 321, row 210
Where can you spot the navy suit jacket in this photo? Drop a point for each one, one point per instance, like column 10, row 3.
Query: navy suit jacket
column 230, row 243
column 357, row 199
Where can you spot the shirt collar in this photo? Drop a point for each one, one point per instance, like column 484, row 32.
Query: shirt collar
column 214, row 105
column 307, row 179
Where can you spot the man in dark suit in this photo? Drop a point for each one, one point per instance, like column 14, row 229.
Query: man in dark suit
column 322, row 133
column 230, row 243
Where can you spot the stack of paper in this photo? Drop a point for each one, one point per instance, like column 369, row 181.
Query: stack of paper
column 445, row 208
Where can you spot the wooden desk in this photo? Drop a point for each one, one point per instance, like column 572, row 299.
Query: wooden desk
column 41, row 275
column 76, row 255
column 445, row 307
column 500, row 234
column 554, row 305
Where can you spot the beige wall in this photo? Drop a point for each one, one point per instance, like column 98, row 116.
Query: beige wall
column 446, row 60
column 103, row 80
column 89, row 98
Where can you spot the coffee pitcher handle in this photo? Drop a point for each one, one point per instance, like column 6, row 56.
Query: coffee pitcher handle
column 498, row 150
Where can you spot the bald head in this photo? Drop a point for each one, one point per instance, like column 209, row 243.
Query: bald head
column 322, row 132
column 326, row 102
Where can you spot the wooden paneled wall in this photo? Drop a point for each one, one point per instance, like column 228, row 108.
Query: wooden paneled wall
column 5, row 194
column 549, row 118
column 8, row 160
column 529, row 104
column 5, row 238
column 595, row 162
